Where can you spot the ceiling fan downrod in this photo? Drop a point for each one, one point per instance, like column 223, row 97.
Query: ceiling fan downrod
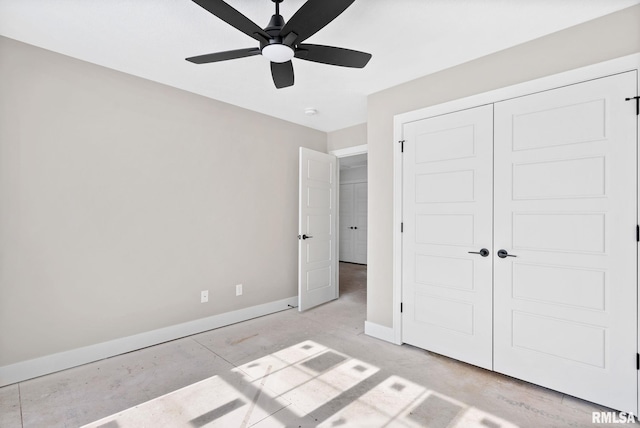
column 276, row 22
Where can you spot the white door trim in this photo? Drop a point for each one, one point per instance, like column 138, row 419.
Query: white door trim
column 618, row 65
column 350, row 151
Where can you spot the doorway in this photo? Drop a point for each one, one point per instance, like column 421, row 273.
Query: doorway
column 353, row 167
column 353, row 209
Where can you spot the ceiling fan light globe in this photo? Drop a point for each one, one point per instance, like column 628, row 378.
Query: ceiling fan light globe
column 277, row 52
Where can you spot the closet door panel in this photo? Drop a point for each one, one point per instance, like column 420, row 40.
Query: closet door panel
column 353, row 223
column 447, row 213
column 565, row 206
column 347, row 220
column 360, row 215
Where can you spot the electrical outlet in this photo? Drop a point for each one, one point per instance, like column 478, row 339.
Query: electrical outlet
column 204, row 296
column 239, row 290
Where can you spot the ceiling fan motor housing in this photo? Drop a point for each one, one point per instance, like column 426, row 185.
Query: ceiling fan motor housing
column 276, row 50
column 275, row 25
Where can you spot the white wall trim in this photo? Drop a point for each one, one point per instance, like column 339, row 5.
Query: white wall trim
column 350, row 151
column 590, row 72
column 638, row 219
column 29, row 369
column 397, row 236
column 378, row 331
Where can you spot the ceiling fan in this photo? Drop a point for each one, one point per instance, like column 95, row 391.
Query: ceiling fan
column 280, row 41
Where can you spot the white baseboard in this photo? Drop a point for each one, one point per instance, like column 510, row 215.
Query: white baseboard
column 29, row 369
column 379, row 331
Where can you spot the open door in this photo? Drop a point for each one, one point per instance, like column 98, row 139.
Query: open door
column 317, row 229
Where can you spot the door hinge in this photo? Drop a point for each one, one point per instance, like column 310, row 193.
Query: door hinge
column 638, row 233
column 401, row 227
column 637, row 104
column 401, row 145
column 637, row 361
column 400, row 307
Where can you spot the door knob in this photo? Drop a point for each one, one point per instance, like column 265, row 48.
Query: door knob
column 504, row 254
column 306, row 236
column 483, row 252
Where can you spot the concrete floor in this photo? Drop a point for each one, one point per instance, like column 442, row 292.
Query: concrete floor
column 288, row 369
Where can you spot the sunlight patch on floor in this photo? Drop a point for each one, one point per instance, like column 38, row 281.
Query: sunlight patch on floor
column 399, row 402
column 306, row 380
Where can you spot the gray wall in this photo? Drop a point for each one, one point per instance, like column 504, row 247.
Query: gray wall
column 354, row 175
column 605, row 38
column 123, row 198
column 347, row 137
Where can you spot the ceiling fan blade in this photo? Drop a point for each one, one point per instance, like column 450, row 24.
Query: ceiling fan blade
column 332, row 55
column 312, row 16
column 234, row 18
column 282, row 73
column 223, row 56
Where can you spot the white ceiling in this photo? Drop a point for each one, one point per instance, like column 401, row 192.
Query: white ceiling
column 408, row 39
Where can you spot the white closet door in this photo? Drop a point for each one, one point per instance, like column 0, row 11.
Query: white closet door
column 360, row 223
column 353, row 223
column 565, row 205
column 447, row 206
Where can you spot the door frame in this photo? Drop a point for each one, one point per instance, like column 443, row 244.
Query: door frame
column 350, row 151
column 590, row 72
column 345, row 153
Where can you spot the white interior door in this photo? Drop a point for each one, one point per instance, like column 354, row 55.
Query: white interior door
column 353, row 223
column 317, row 240
column 565, row 205
column 447, row 215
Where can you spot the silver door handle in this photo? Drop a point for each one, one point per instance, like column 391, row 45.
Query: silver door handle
column 503, row 254
column 483, row 252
